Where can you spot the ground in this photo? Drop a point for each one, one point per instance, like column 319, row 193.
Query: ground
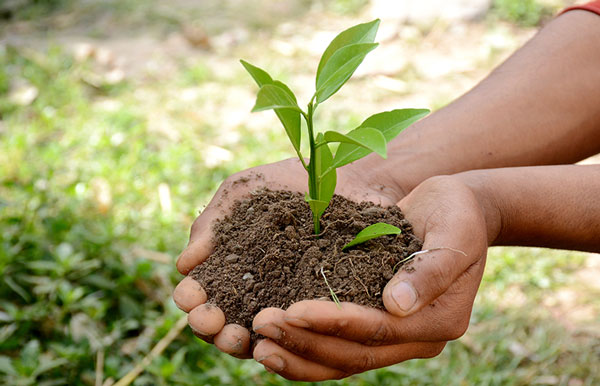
column 118, row 120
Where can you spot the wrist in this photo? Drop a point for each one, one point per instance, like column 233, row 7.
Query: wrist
column 481, row 185
column 404, row 169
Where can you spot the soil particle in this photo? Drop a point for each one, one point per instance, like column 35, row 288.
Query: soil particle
column 232, row 258
column 241, row 180
column 266, row 254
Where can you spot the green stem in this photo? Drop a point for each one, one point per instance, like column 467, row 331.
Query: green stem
column 312, row 169
column 301, row 158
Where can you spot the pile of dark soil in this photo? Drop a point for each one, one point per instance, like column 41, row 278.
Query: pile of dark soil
column 266, row 254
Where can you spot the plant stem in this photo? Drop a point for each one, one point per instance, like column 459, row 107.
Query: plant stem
column 312, row 167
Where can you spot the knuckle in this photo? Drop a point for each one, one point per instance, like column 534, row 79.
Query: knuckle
column 456, row 330
column 196, row 226
column 440, row 273
column 338, row 327
column 338, row 374
column 367, row 361
column 436, row 278
column 298, row 346
column 434, row 350
column 382, row 335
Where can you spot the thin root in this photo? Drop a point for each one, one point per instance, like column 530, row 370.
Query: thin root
column 412, row 256
column 337, row 262
column 358, row 279
column 333, row 295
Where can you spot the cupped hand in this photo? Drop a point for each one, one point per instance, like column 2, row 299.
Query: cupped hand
column 426, row 307
column 206, row 320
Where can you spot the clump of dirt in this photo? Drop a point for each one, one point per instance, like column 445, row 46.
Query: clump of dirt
column 266, row 254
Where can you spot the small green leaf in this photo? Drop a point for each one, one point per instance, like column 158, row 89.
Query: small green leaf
column 290, row 119
column 317, row 206
column 323, row 161
column 339, row 68
column 389, row 123
column 366, row 137
column 260, row 76
column 361, row 33
column 373, row 231
column 273, row 96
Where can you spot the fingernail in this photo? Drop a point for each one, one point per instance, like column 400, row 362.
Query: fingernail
column 272, row 362
column 297, row 322
column 404, row 295
column 269, row 330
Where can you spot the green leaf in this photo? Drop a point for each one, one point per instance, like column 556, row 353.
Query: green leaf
column 373, row 231
column 47, row 364
column 317, row 206
column 290, row 119
column 361, row 33
column 365, row 137
column 6, row 366
column 323, row 161
column 273, row 96
column 17, row 288
column 339, row 68
column 259, row 75
column 389, row 123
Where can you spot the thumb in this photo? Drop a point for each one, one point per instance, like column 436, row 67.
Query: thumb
column 451, row 245
column 200, row 245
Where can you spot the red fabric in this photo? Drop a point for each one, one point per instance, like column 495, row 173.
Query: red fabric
column 593, row 6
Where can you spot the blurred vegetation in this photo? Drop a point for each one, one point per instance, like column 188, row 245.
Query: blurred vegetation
column 525, row 13
column 96, row 200
column 30, row 9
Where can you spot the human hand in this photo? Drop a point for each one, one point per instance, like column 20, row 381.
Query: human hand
column 208, row 321
column 315, row 340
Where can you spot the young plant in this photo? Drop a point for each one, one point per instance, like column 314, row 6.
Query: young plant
column 339, row 61
column 371, row 232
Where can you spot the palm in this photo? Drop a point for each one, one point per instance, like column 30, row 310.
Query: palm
column 315, row 340
column 208, row 322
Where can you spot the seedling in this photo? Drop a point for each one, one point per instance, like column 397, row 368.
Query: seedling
column 371, row 232
column 339, row 61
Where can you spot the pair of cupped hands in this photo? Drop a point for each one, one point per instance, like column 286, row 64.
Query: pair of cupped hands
column 315, row 340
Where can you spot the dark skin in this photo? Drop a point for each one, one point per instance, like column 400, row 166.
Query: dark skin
column 539, row 108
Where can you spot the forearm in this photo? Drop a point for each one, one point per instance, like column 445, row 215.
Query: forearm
column 547, row 206
column 540, row 107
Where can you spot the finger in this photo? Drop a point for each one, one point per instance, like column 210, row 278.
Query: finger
column 452, row 243
column 234, row 340
column 206, row 320
column 292, row 366
column 352, row 322
column 446, row 319
column 374, row 327
column 341, row 354
column 200, row 245
column 195, row 253
column 188, row 294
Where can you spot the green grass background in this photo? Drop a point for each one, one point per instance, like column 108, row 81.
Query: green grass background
column 87, row 245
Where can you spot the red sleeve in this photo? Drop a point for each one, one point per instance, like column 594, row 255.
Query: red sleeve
column 593, row 6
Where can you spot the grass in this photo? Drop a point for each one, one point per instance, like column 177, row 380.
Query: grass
column 525, row 13
column 99, row 183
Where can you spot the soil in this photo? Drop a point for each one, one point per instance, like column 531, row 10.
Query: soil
column 266, row 254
